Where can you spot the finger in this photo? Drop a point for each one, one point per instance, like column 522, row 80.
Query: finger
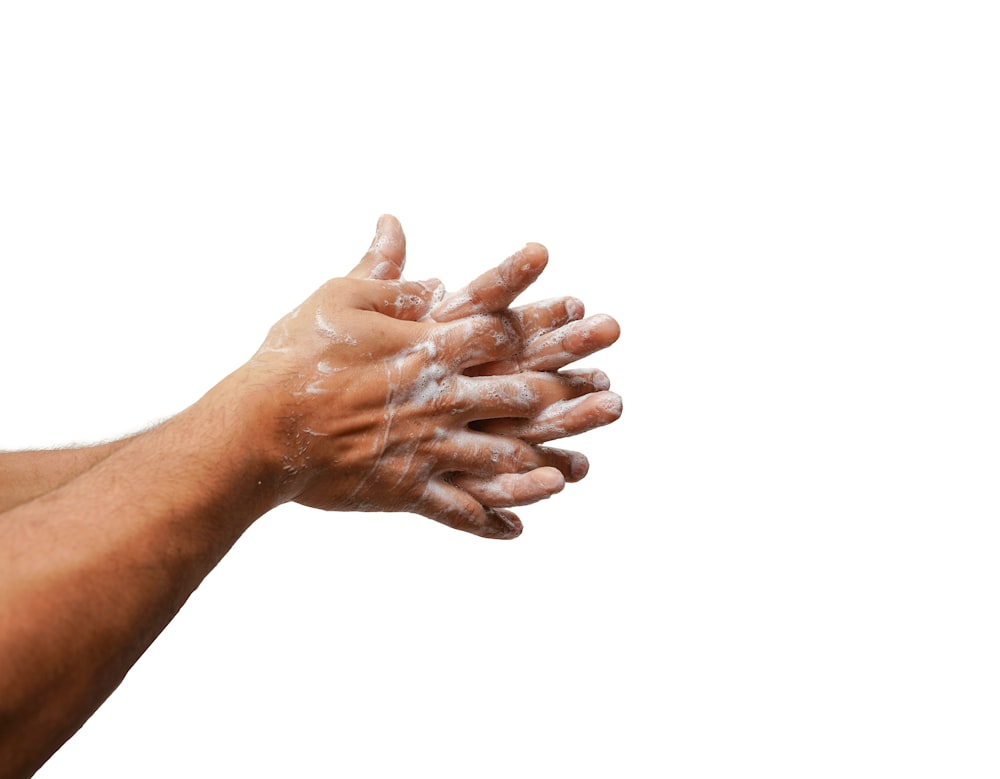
column 512, row 489
column 483, row 338
column 482, row 454
column 559, row 348
column 387, row 254
column 562, row 419
column 547, row 315
column 535, row 320
column 496, row 289
column 520, row 395
column 455, row 508
column 495, row 397
column 574, row 466
column 407, row 300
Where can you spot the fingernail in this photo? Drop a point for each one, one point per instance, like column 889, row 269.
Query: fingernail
column 575, row 308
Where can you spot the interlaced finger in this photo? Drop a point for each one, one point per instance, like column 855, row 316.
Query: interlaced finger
column 484, row 454
column 454, row 507
column 558, row 348
column 507, row 490
column 522, row 395
column 480, row 339
column 496, row 289
column 561, row 419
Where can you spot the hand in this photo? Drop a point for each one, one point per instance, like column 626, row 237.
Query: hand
column 368, row 408
column 556, row 334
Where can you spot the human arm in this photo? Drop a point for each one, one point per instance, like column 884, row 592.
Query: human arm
column 92, row 571
column 556, row 334
column 25, row 475
column 350, row 404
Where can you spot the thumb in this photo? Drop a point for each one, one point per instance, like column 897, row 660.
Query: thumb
column 387, row 254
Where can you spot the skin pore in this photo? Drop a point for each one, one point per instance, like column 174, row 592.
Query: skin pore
column 376, row 393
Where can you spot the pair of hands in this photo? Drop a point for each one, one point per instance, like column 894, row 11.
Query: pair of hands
column 375, row 394
column 390, row 395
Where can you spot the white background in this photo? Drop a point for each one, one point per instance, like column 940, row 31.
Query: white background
column 784, row 561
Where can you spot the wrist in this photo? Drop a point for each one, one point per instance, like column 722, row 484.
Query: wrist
column 249, row 431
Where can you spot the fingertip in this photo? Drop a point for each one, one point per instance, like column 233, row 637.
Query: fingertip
column 614, row 327
column 531, row 261
column 433, row 286
column 386, row 221
column 575, row 309
column 594, row 333
column 519, row 271
column 389, row 241
column 536, row 252
column 579, row 466
column 436, row 292
column 504, row 525
column 386, row 255
column 550, row 480
column 611, row 402
column 608, row 326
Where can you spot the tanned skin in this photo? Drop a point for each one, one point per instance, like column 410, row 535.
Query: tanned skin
column 375, row 394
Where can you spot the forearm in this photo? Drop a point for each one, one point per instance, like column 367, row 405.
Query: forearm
column 30, row 474
column 357, row 400
column 91, row 572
